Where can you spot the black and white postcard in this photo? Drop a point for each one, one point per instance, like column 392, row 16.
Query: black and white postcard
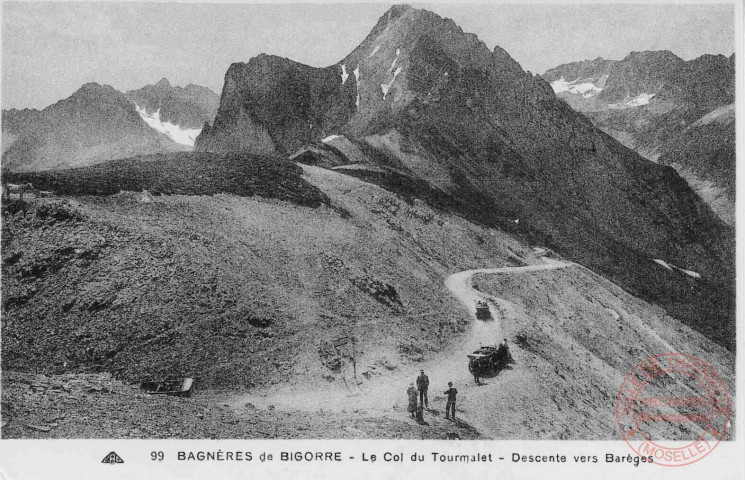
column 370, row 240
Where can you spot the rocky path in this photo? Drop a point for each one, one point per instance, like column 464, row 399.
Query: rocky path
column 385, row 396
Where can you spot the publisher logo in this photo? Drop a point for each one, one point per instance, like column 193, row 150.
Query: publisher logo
column 112, row 459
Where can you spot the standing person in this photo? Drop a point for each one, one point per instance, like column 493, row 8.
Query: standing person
column 504, row 352
column 411, row 392
column 450, row 406
column 422, row 384
column 477, row 364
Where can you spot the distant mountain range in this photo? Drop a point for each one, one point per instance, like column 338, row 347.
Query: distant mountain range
column 98, row 123
column 421, row 106
column 189, row 107
column 654, row 102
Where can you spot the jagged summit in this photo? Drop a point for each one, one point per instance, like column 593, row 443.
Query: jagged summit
column 163, row 83
column 280, row 104
column 393, row 13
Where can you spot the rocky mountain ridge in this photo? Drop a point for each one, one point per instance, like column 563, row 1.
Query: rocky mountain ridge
column 423, row 99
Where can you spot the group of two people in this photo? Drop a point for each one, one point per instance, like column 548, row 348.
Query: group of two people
column 418, row 400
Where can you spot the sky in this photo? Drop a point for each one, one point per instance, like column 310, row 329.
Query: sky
column 50, row 49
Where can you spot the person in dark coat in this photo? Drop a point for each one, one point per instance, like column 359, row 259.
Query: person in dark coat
column 476, row 374
column 450, row 406
column 503, row 353
column 422, row 384
column 411, row 392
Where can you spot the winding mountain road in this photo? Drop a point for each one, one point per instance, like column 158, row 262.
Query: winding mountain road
column 378, row 394
column 461, row 286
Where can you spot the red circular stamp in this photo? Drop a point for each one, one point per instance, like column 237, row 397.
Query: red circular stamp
column 673, row 408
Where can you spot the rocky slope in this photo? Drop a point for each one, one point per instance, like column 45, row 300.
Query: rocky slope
column 224, row 287
column 704, row 154
column 14, row 122
column 422, row 99
column 576, row 334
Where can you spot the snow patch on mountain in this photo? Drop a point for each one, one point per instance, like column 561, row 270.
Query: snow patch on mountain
column 663, row 263
column 344, row 74
column 357, row 78
column 385, row 87
column 583, row 87
column 183, row 136
column 637, row 101
column 377, row 47
column 330, row 138
column 690, row 273
column 393, row 65
column 672, row 267
column 641, row 99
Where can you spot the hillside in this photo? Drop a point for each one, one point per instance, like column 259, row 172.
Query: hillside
column 562, row 323
column 422, row 99
column 246, row 278
column 249, row 295
column 704, row 154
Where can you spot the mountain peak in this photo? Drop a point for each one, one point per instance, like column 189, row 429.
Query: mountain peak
column 95, row 88
column 397, row 10
column 163, row 83
column 389, row 17
column 393, row 13
column 653, row 55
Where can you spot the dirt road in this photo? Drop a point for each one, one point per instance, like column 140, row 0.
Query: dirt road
column 460, row 285
column 385, row 395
